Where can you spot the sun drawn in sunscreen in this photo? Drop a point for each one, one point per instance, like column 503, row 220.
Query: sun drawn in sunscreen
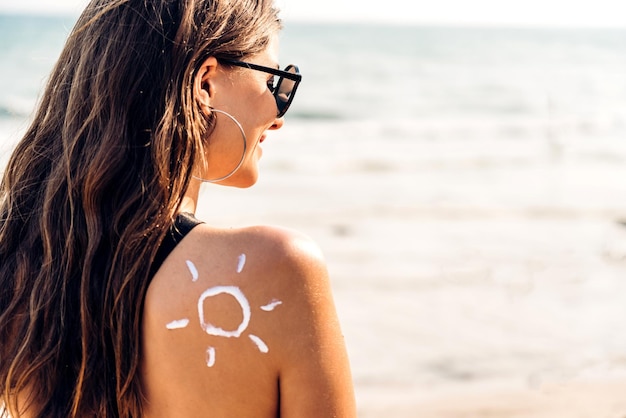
column 214, row 330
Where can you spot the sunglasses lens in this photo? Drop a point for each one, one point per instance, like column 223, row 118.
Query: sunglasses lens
column 284, row 91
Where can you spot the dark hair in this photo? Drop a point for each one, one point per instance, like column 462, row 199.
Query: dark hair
column 91, row 190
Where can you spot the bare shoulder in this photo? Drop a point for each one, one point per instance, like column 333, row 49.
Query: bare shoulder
column 264, row 262
column 242, row 312
column 314, row 372
column 280, row 245
column 254, row 257
column 289, row 257
column 258, row 257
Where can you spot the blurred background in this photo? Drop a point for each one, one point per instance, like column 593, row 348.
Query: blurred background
column 462, row 166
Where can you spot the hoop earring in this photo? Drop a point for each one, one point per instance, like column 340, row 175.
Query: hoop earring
column 243, row 154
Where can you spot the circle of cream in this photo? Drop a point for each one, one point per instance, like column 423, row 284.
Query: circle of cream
column 239, row 297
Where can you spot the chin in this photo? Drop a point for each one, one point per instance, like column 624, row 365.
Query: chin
column 242, row 179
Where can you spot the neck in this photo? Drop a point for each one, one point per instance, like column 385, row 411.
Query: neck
column 190, row 200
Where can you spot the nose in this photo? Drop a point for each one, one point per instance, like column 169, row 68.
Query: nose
column 278, row 123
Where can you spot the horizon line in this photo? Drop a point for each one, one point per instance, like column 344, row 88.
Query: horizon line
column 67, row 14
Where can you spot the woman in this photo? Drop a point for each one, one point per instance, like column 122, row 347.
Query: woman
column 114, row 299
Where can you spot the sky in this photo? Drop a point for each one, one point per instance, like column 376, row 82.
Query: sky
column 558, row 13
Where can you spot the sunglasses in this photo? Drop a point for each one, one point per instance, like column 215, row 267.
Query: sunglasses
column 283, row 88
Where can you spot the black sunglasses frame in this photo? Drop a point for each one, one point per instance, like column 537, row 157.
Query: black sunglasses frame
column 281, row 105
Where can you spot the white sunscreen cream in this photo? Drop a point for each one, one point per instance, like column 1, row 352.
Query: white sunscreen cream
column 239, row 297
column 259, row 343
column 210, row 356
column 193, row 270
column 241, row 262
column 181, row 323
column 272, row 305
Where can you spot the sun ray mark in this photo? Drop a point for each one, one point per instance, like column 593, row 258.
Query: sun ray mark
column 241, row 262
column 193, row 270
column 259, row 343
column 272, row 305
column 210, row 356
column 178, row 324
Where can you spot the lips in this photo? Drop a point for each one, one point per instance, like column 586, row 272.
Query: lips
column 262, row 138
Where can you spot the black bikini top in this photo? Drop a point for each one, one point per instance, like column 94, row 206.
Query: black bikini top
column 183, row 224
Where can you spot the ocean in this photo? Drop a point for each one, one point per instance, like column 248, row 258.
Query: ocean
column 466, row 185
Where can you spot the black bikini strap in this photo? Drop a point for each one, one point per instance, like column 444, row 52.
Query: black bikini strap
column 183, row 224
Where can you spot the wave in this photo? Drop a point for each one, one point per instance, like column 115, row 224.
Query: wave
column 7, row 112
column 315, row 115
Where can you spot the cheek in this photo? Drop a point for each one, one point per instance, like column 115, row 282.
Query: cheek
column 267, row 107
column 260, row 112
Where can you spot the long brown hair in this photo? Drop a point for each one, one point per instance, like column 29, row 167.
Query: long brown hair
column 92, row 188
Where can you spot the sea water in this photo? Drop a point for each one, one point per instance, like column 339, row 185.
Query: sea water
column 565, row 88
column 466, row 184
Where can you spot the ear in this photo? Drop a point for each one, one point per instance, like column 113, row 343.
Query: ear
column 203, row 83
